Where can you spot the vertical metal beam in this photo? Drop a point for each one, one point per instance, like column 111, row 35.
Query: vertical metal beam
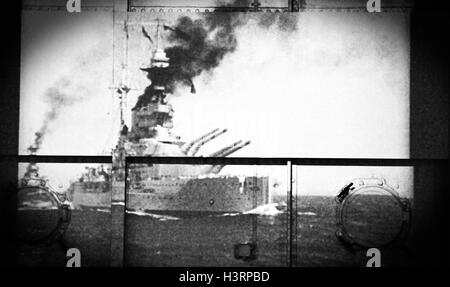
column 255, row 188
column 118, row 212
column 294, row 5
column 294, row 199
column 290, row 216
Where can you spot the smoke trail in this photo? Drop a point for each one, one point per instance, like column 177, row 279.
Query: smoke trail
column 67, row 90
column 198, row 46
column 57, row 98
column 80, row 84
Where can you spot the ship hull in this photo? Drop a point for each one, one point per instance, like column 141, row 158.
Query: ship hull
column 91, row 194
column 221, row 194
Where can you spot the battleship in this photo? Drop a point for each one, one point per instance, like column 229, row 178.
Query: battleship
column 162, row 187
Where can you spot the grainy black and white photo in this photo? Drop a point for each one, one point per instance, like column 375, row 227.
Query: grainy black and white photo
column 232, row 133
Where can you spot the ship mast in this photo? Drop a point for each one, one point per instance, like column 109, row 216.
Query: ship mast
column 158, row 33
column 123, row 88
column 123, row 93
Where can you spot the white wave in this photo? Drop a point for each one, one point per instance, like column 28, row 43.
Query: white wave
column 157, row 216
column 36, row 208
column 228, row 214
column 103, row 210
column 308, row 213
column 267, row 209
column 118, row 203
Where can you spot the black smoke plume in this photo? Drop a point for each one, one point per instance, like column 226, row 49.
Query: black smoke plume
column 56, row 97
column 70, row 89
column 200, row 45
column 82, row 82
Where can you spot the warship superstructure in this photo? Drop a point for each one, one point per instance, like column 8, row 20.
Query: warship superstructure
column 160, row 186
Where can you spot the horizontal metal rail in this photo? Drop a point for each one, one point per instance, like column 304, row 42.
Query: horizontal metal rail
column 227, row 160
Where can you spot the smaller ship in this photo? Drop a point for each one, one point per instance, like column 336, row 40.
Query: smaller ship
column 92, row 189
column 43, row 215
column 35, row 193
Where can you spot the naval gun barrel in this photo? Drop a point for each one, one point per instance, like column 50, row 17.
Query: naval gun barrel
column 225, row 149
column 235, row 149
column 215, row 169
column 207, row 140
column 189, row 145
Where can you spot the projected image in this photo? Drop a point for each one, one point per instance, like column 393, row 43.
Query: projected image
column 126, row 83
